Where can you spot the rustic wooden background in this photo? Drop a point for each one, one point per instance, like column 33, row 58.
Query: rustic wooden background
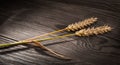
column 21, row 19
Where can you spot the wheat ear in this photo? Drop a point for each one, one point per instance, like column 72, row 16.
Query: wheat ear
column 81, row 24
column 93, row 31
column 85, row 32
column 71, row 27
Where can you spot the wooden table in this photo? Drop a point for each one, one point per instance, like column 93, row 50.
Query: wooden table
column 27, row 18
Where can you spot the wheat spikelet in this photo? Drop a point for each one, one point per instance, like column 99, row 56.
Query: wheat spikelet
column 82, row 24
column 93, row 31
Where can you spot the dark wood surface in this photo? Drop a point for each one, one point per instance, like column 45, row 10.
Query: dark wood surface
column 27, row 18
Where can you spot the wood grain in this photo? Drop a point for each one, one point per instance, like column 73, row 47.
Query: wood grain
column 27, row 18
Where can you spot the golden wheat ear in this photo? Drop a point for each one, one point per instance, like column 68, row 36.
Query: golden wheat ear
column 71, row 27
column 81, row 24
column 94, row 31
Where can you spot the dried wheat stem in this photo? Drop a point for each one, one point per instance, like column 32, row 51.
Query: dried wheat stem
column 44, row 35
column 14, row 43
column 26, row 42
column 49, row 50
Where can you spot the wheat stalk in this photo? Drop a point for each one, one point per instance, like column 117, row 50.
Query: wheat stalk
column 83, row 32
column 71, row 27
